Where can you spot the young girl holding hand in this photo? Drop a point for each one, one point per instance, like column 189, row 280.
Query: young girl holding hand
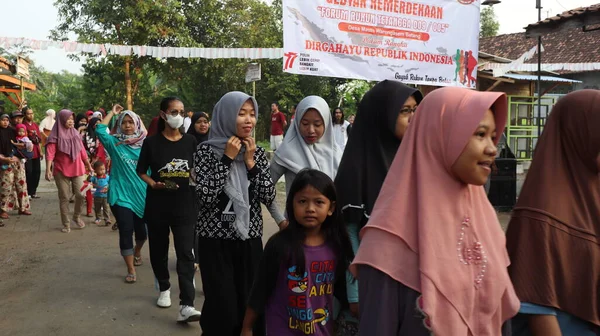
column 304, row 264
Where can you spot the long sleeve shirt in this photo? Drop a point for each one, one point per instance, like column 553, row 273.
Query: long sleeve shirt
column 63, row 162
column 217, row 216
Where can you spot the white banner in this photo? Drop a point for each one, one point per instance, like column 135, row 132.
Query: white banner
column 158, row 52
column 430, row 42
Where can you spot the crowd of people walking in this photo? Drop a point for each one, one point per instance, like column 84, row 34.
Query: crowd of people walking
column 386, row 229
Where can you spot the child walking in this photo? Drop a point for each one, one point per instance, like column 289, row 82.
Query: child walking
column 100, row 183
column 304, row 265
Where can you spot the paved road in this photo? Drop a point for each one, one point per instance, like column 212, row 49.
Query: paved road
column 53, row 283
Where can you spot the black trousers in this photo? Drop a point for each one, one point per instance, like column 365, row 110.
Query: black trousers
column 33, row 171
column 183, row 237
column 228, row 268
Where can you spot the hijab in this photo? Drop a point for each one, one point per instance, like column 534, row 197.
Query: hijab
column 223, row 127
column 295, row 154
column 135, row 140
column 48, row 122
column 78, row 118
column 553, row 237
column 200, row 138
column 98, row 115
column 371, row 148
column 17, row 128
column 7, row 135
column 67, row 140
column 91, row 129
column 435, row 234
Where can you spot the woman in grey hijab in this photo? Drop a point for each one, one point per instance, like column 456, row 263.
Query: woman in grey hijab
column 232, row 179
column 309, row 143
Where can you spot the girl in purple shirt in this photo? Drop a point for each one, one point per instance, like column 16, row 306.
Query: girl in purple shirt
column 303, row 266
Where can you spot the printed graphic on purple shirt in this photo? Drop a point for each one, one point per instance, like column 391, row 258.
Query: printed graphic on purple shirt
column 302, row 304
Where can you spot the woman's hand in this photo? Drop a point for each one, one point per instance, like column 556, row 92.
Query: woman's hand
column 234, row 144
column 246, row 332
column 18, row 144
column 158, row 186
column 354, row 309
column 250, row 145
column 116, row 109
column 49, row 174
column 284, row 223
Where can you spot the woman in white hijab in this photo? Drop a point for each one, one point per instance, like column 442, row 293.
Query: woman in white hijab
column 309, row 143
column 46, row 125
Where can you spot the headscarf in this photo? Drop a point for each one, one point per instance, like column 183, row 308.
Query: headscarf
column 98, row 115
column 91, row 129
column 79, row 117
column 200, row 138
column 295, row 154
column 434, row 233
column 17, row 128
column 6, row 135
column 135, row 140
column 48, row 122
column 371, row 148
column 67, row 140
column 223, row 127
column 553, row 237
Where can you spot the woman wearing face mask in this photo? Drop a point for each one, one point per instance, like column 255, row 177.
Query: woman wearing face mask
column 233, row 179
column 381, row 122
column 200, row 126
column 308, row 143
column 432, row 257
column 66, row 161
column 553, row 238
column 126, row 193
column 169, row 157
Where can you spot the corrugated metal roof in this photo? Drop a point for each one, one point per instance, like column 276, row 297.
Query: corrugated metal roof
column 544, row 78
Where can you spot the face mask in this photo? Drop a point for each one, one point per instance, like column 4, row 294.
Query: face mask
column 175, row 121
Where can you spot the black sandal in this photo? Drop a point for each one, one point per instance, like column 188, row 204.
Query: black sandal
column 115, row 227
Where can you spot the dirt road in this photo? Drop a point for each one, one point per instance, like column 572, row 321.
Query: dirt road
column 53, row 283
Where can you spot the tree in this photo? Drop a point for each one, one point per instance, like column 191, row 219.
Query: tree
column 489, row 25
column 124, row 22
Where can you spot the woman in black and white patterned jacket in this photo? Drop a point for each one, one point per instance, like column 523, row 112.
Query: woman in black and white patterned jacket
column 232, row 179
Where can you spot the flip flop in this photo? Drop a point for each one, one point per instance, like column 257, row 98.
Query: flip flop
column 80, row 224
column 137, row 261
column 130, row 278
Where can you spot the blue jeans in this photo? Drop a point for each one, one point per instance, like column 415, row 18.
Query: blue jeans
column 129, row 223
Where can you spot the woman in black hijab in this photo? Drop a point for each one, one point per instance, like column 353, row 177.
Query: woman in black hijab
column 200, row 126
column 380, row 123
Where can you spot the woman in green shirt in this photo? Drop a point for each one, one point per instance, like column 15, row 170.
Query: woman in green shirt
column 127, row 192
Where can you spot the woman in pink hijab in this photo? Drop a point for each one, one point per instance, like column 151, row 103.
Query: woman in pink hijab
column 66, row 162
column 432, row 258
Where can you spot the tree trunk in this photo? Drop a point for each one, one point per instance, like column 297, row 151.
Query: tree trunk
column 128, row 84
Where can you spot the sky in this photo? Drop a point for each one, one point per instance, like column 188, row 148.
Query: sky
column 513, row 16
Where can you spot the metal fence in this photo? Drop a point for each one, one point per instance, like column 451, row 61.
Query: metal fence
column 522, row 124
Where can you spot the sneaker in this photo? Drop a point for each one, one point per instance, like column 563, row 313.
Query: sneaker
column 188, row 314
column 164, row 299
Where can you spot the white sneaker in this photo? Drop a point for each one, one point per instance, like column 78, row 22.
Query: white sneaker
column 164, row 299
column 188, row 314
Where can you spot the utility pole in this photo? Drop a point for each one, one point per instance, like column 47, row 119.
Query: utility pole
column 539, row 72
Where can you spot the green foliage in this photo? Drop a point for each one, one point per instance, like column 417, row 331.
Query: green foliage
column 488, row 25
column 199, row 82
